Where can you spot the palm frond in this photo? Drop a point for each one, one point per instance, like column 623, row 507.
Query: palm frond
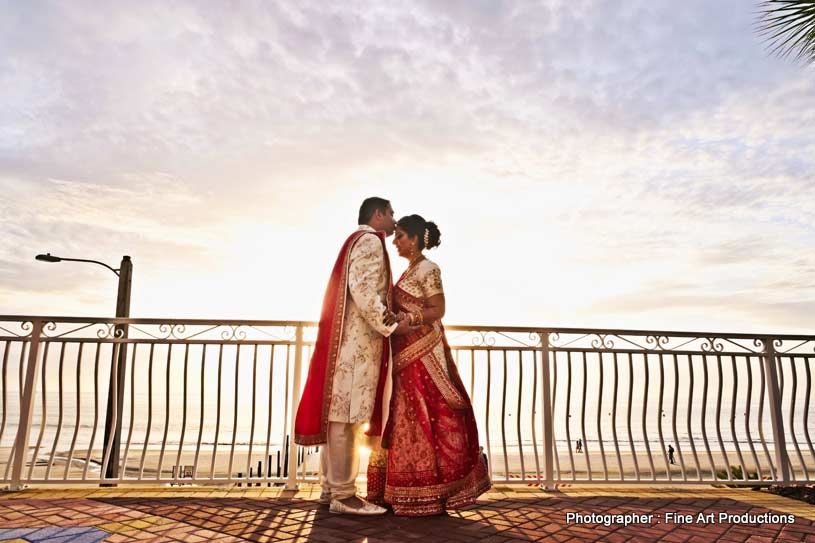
column 788, row 26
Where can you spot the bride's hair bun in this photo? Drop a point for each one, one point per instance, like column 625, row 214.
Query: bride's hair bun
column 427, row 232
column 432, row 236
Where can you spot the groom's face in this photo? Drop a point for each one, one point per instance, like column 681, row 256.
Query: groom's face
column 386, row 222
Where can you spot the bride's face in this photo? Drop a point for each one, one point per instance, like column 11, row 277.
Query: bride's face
column 405, row 246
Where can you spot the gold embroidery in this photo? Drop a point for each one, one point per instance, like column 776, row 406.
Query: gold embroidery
column 307, row 441
column 423, row 348
column 431, row 282
column 448, row 391
column 417, row 460
column 406, row 300
column 418, row 348
column 336, row 337
column 409, row 282
column 360, row 363
column 476, row 482
column 335, row 341
column 422, row 280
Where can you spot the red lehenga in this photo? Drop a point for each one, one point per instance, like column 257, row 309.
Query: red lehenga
column 430, row 459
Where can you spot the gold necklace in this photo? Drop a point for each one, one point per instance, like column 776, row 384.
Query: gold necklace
column 414, row 262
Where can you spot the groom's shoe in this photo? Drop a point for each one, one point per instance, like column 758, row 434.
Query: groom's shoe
column 365, row 508
column 325, row 498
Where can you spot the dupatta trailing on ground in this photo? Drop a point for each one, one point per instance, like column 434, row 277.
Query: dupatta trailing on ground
column 311, row 422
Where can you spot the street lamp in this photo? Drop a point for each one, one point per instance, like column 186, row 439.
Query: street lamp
column 125, row 273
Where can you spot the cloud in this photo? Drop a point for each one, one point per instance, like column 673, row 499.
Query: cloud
column 89, row 220
column 616, row 147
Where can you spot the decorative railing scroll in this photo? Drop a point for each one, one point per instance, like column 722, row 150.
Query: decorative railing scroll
column 212, row 401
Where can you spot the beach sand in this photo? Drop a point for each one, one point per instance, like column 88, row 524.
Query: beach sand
column 581, row 466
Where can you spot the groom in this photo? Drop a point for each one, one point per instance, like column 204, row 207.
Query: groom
column 348, row 369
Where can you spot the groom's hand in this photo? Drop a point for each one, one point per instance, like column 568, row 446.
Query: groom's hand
column 391, row 317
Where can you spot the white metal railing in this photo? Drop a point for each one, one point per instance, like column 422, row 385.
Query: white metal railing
column 213, row 401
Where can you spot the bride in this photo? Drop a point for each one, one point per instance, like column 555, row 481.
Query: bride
column 430, row 459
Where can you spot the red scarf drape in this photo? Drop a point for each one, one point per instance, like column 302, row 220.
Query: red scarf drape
column 311, row 422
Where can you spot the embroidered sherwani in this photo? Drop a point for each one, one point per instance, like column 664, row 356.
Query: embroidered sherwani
column 358, row 363
column 347, row 373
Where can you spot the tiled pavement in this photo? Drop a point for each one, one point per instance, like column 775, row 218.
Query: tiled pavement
column 197, row 514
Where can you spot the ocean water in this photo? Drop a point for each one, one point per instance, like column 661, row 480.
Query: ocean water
column 180, row 396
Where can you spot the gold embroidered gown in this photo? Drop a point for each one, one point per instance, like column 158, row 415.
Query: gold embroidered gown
column 431, row 459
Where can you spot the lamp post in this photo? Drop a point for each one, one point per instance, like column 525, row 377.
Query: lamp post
column 125, row 273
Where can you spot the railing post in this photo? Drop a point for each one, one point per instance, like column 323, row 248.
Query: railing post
column 546, row 409
column 776, row 418
column 291, row 482
column 26, row 407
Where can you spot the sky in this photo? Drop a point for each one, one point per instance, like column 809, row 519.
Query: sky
column 645, row 164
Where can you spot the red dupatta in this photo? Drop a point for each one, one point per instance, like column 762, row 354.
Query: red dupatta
column 311, row 422
column 417, row 346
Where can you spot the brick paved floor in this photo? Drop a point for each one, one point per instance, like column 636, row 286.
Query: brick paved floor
column 197, row 514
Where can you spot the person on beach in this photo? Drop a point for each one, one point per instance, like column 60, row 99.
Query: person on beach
column 429, row 459
column 578, row 445
column 671, row 454
column 349, row 365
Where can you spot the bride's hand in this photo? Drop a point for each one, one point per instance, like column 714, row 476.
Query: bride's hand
column 402, row 328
